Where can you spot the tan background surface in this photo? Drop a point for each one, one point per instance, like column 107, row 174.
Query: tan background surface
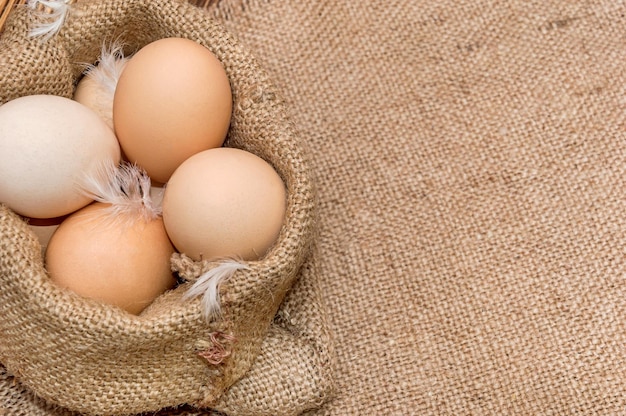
column 469, row 157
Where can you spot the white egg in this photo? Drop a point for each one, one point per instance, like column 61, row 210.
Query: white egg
column 47, row 144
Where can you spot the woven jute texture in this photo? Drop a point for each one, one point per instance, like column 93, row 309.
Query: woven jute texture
column 62, row 354
column 470, row 158
column 469, row 161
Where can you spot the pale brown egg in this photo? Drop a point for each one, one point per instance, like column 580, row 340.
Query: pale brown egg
column 224, row 202
column 123, row 262
column 97, row 87
column 90, row 94
column 173, row 99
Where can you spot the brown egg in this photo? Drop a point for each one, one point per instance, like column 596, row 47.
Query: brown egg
column 173, row 99
column 224, row 202
column 123, row 262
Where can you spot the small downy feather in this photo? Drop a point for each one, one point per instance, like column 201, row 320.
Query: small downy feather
column 126, row 187
column 53, row 17
column 106, row 72
column 208, row 285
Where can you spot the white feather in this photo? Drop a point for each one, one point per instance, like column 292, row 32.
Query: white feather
column 53, row 18
column 109, row 67
column 208, row 285
column 125, row 186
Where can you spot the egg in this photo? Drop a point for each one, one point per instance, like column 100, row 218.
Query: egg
column 156, row 194
column 91, row 93
column 173, row 99
column 43, row 229
column 97, row 87
column 115, row 261
column 224, row 202
column 46, row 143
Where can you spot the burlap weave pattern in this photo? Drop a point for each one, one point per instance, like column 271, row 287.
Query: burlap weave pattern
column 91, row 358
column 470, row 160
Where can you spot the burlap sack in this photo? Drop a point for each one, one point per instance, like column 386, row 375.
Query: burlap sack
column 64, row 354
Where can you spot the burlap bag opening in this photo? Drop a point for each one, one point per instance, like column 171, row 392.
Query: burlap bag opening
column 62, row 350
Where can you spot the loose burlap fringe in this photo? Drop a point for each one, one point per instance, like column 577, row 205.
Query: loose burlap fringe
column 61, row 353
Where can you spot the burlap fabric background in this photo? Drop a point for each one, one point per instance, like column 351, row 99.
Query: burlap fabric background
column 95, row 359
column 469, row 158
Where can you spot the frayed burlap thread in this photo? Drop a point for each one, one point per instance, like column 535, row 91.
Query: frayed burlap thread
column 90, row 358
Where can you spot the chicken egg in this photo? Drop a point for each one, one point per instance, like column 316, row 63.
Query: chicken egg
column 224, row 202
column 172, row 100
column 122, row 262
column 97, row 87
column 93, row 94
column 43, row 229
column 46, row 143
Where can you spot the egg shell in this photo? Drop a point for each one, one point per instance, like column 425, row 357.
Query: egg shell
column 90, row 93
column 97, row 87
column 173, row 99
column 47, row 143
column 156, row 194
column 44, row 228
column 122, row 262
column 224, row 202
